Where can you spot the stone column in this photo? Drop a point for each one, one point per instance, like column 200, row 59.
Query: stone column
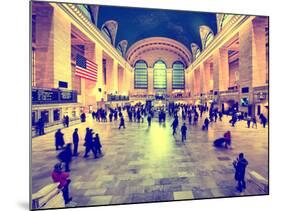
column 150, row 81
column 90, row 94
column 259, row 51
column 100, row 83
column 246, row 60
column 62, row 49
column 169, row 81
column 121, row 81
column 115, row 77
column 221, row 70
column 44, row 52
column 207, row 77
column 202, row 79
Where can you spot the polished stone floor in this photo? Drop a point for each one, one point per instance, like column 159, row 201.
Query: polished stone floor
column 142, row 164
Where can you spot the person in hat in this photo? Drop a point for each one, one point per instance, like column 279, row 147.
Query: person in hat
column 75, row 138
column 63, row 179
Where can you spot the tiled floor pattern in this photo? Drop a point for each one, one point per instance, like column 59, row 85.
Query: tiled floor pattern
column 143, row 164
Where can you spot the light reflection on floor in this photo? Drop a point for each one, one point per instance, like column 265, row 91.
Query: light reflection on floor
column 148, row 164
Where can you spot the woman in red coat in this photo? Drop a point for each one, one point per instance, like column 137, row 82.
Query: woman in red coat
column 63, row 178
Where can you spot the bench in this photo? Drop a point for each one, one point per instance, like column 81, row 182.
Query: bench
column 49, row 196
column 259, row 181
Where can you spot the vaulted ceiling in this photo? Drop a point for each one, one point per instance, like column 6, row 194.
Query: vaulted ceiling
column 135, row 24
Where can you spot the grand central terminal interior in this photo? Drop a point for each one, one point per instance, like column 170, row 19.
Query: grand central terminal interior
column 129, row 74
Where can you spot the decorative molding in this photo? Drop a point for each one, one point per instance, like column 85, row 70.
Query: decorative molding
column 92, row 31
column 230, row 29
column 112, row 27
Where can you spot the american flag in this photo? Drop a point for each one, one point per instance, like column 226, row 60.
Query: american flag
column 86, row 68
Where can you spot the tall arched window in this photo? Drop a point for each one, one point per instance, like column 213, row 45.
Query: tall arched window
column 209, row 39
column 119, row 49
column 178, row 75
column 141, row 77
column 106, row 34
column 160, row 75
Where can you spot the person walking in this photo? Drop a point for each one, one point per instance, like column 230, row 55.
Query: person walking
column 59, row 140
column 67, row 121
column 66, row 157
column 97, row 146
column 40, row 126
column 183, row 132
column 254, row 120
column 263, row 120
column 240, row 165
column 122, row 123
column 174, row 126
column 206, row 123
column 75, row 138
column 249, row 121
column 149, row 120
column 88, row 142
column 63, row 179
column 220, row 116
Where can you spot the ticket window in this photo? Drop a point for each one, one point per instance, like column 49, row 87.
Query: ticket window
column 45, row 116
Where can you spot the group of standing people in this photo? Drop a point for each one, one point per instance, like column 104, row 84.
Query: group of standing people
column 92, row 143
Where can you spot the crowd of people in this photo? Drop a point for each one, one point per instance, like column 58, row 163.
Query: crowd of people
column 190, row 115
column 91, row 143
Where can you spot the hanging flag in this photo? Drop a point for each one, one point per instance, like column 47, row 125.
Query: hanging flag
column 86, row 68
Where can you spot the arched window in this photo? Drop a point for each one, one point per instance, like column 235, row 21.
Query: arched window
column 197, row 53
column 225, row 19
column 209, row 39
column 178, row 75
column 106, row 34
column 119, row 49
column 141, row 76
column 160, row 75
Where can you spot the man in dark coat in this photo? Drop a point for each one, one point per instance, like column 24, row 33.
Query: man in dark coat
column 75, row 138
column 89, row 142
column 97, row 146
column 59, row 140
column 40, row 126
column 149, row 120
column 83, row 117
column 122, row 123
column 206, row 123
column 183, row 132
column 66, row 157
column 240, row 165
column 175, row 125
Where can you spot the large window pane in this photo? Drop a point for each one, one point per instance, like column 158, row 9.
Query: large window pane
column 160, row 75
column 178, row 75
column 141, row 77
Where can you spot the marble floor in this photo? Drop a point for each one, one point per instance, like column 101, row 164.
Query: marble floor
column 142, row 164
